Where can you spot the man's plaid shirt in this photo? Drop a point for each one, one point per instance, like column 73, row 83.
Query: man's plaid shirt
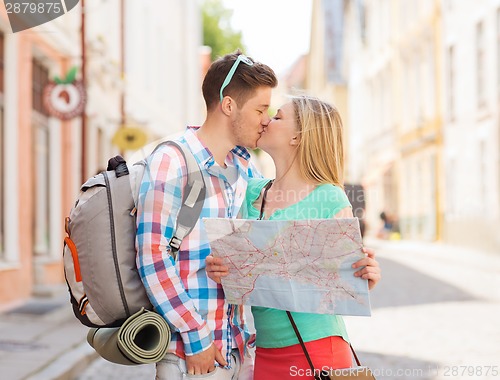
column 181, row 292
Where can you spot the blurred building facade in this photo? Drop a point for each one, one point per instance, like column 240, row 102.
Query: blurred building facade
column 369, row 62
column 35, row 156
column 393, row 64
column 419, row 85
column 417, row 97
column 471, row 66
column 153, row 83
column 41, row 156
column 325, row 77
column 163, row 65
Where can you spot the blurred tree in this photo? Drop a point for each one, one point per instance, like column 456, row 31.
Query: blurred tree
column 217, row 30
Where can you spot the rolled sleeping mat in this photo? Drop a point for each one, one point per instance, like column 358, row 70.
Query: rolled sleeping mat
column 142, row 339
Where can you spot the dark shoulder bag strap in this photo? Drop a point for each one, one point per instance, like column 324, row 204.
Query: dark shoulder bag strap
column 303, row 345
column 263, row 203
column 299, row 337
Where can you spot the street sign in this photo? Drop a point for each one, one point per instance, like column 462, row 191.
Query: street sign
column 130, row 138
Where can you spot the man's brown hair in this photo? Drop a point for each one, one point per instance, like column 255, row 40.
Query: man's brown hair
column 245, row 81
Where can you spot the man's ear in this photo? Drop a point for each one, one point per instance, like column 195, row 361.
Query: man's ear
column 227, row 105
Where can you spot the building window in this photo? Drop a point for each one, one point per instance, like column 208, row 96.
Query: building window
column 380, row 103
column 405, row 94
column 41, row 173
column 2, row 142
column 430, row 88
column 483, row 177
column 451, row 188
column 480, row 61
column 40, row 79
column 498, row 51
column 2, row 182
column 418, row 91
column 426, row 87
column 451, row 83
column 41, row 189
column 2, row 57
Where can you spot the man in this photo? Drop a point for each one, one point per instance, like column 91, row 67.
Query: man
column 205, row 329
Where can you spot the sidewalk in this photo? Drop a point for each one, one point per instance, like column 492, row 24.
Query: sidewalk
column 42, row 340
column 434, row 314
column 474, row 271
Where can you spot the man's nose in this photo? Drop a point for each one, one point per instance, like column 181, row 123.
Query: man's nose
column 265, row 120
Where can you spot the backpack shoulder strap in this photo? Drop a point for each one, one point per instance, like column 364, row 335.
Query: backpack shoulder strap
column 192, row 200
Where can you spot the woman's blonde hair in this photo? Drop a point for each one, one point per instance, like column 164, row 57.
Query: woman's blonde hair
column 321, row 147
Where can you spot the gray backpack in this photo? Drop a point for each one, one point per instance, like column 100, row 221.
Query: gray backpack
column 99, row 252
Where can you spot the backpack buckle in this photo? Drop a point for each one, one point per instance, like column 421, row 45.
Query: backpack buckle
column 175, row 243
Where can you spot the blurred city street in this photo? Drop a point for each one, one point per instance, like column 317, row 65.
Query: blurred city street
column 435, row 316
column 417, row 85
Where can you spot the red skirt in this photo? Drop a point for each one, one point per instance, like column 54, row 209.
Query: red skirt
column 290, row 362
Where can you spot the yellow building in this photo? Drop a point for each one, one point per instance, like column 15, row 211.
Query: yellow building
column 420, row 126
column 324, row 73
column 369, row 63
column 422, row 108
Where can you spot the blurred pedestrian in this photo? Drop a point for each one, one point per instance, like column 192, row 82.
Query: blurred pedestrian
column 390, row 227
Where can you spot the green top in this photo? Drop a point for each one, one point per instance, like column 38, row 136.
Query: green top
column 273, row 326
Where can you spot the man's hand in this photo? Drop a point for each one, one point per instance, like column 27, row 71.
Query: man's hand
column 215, row 269
column 204, row 362
column 371, row 270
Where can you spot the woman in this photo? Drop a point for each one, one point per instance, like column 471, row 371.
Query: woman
column 305, row 142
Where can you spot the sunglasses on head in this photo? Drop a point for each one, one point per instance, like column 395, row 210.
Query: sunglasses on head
column 229, row 76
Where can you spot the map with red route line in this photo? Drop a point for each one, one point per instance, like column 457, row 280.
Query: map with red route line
column 295, row 265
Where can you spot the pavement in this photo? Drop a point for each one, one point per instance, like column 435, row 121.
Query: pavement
column 434, row 316
column 41, row 339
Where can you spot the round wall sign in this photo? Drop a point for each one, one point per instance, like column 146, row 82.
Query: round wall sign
column 64, row 100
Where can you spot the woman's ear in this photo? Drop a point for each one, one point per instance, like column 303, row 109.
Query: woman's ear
column 294, row 140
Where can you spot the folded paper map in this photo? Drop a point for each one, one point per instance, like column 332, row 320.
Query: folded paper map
column 295, row 265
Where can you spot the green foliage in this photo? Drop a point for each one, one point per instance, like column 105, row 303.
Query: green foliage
column 217, row 30
column 70, row 76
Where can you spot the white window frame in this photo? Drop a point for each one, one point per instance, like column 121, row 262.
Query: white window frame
column 48, row 250
column 2, row 180
column 451, row 188
column 2, row 161
column 498, row 49
column 451, row 59
column 11, row 255
column 483, row 175
column 480, row 64
column 41, row 184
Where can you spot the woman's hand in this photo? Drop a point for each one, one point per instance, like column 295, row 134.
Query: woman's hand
column 371, row 270
column 215, row 269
